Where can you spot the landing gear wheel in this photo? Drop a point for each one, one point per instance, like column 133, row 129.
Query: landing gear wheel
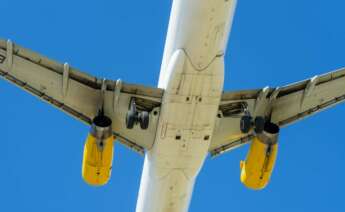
column 134, row 117
column 144, row 120
column 246, row 124
column 259, row 124
column 130, row 119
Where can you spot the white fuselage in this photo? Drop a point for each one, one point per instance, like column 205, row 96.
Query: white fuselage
column 192, row 75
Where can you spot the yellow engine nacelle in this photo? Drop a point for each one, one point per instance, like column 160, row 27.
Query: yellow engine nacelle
column 256, row 170
column 98, row 152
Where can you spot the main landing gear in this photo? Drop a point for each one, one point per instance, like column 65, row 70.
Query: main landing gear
column 247, row 123
column 134, row 117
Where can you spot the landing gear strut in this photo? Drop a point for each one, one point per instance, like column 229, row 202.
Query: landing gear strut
column 134, row 117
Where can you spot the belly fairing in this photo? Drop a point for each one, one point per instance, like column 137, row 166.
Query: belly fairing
column 187, row 118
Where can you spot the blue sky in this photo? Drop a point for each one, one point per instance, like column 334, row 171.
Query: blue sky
column 272, row 43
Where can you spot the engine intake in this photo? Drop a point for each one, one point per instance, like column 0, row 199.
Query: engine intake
column 98, row 152
column 256, row 170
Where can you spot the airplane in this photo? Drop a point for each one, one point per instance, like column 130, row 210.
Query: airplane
column 185, row 118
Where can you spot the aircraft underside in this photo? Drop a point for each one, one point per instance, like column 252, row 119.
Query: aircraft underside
column 186, row 118
column 192, row 75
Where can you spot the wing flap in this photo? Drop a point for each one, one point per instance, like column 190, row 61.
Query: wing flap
column 291, row 107
column 284, row 105
column 79, row 94
column 48, row 85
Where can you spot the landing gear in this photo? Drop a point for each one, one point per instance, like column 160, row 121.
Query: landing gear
column 144, row 120
column 247, row 123
column 130, row 119
column 134, row 117
column 259, row 124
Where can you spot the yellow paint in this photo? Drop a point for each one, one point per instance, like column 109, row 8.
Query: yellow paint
column 97, row 163
column 256, row 170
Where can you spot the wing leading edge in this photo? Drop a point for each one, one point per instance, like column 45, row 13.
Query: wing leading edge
column 80, row 95
column 284, row 105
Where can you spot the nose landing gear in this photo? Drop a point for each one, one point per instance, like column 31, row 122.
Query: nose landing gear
column 134, row 117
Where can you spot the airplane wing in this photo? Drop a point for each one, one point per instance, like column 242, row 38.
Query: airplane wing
column 79, row 94
column 284, row 106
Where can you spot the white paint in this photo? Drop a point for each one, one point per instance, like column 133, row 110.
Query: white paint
column 9, row 54
column 65, row 79
column 192, row 75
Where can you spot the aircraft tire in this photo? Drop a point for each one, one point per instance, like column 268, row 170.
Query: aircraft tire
column 130, row 119
column 144, row 120
column 259, row 124
column 245, row 124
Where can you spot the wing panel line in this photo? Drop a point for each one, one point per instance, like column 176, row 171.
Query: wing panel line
column 61, row 106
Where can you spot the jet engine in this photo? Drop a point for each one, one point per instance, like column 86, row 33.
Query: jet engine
column 98, row 152
column 256, row 170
